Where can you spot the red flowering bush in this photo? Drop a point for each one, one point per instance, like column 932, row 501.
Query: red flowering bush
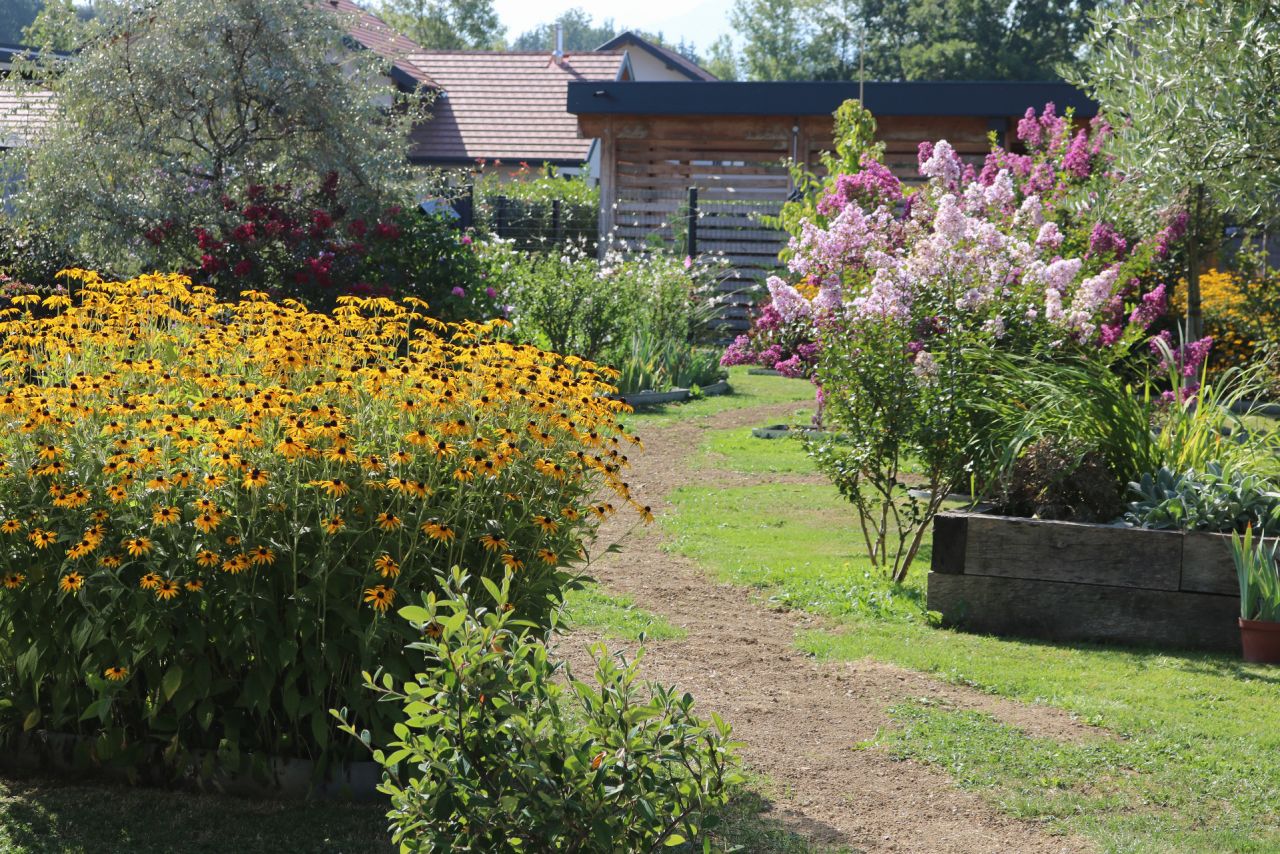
column 303, row 245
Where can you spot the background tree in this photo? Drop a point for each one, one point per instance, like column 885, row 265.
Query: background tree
column 61, row 25
column 447, row 24
column 776, row 37
column 909, row 39
column 722, row 59
column 183, row 103
column 582, row 33
column 1192, row 90
column 15, row 16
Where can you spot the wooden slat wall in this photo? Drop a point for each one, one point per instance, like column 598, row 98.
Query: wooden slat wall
column 650, row 162
column 737, row 167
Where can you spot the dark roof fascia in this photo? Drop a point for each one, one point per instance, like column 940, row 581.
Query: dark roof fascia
column 407, row 81
column 427, row 160
column 9, row 51
column 946, row 98
column 630, row 38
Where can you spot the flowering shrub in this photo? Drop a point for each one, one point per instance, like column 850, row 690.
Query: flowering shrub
column 642, row 313
column 501, row 749
column 913, row 289
column 304, row 246
column 1049, row 189
column 783, row 337
column 1241, row 315
column 207, row 508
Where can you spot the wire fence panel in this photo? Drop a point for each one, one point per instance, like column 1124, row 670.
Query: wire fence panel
column 534, row 225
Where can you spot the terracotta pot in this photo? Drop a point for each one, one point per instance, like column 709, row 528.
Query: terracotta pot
column 1260, row 640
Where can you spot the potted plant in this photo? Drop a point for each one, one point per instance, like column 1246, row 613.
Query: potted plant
column 1259, row 597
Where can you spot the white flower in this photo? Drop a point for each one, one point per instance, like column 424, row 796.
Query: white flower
column 925, row 367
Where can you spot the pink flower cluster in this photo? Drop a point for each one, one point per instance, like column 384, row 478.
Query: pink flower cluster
column 989, row 255
column 872, row 186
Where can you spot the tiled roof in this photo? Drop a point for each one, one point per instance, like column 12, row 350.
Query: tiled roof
column 681, row 63
column 22, row 116
column 374, row 33
column 506, row 106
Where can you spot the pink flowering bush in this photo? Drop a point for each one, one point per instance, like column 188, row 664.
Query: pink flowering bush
column 783, row 336
column 919, row 290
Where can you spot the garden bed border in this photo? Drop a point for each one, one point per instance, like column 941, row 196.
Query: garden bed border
column 676, row 395
column 1068, row 581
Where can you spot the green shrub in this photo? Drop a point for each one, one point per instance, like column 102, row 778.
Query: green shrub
column 28, row 257
column 1204, row 500
column 503, row 750
column 643, row 314
column 565, row 300
column 538, row 209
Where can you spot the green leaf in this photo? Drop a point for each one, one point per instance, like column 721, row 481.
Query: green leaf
column 97, row 709
column 171, row 682
column 31, row 720
column 320, row 728
column 415, row 614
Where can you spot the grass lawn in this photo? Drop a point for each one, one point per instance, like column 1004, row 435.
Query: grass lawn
column 748, row 390
column 613, row 616
column 1185, row 759
column 736, row 449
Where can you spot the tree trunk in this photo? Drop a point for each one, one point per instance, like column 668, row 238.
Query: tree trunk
column 1194, row 323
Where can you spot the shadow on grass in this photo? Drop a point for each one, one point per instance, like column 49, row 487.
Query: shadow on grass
column 746, row 825
column 39, row 815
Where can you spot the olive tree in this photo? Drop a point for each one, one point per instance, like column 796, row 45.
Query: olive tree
column 1193, row 92
column 173, row 107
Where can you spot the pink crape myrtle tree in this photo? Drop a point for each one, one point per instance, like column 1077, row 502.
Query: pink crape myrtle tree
column 902, row 298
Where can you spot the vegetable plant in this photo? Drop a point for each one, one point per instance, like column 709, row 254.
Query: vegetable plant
column 1204, row 500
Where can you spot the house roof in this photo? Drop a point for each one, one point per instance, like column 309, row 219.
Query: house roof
column 23, row 115
column 374, row 34
column 674, row 61
column 950, row 98
column 507, row 105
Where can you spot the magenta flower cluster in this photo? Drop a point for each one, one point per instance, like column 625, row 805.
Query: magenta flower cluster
column 983, row 249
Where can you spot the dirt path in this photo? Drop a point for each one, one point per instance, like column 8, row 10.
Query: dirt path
column 801, row 718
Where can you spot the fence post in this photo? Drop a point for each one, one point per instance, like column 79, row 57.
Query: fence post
column 500, row 216
column 466, row 208
column 691, row 224
column 557, row 222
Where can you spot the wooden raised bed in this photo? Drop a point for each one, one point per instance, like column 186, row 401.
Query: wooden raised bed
column 1065, row 581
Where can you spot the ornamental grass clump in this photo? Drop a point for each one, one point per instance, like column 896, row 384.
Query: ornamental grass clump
column 208, row 508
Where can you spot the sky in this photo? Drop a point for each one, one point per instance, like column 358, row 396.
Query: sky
column 697, row 21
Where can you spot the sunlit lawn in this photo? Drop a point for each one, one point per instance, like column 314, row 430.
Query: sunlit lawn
column 1186, row 750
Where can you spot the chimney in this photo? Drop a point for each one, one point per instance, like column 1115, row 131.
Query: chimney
column 558, row 54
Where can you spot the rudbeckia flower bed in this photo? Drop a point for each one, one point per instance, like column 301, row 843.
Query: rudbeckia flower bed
column 207, row 509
